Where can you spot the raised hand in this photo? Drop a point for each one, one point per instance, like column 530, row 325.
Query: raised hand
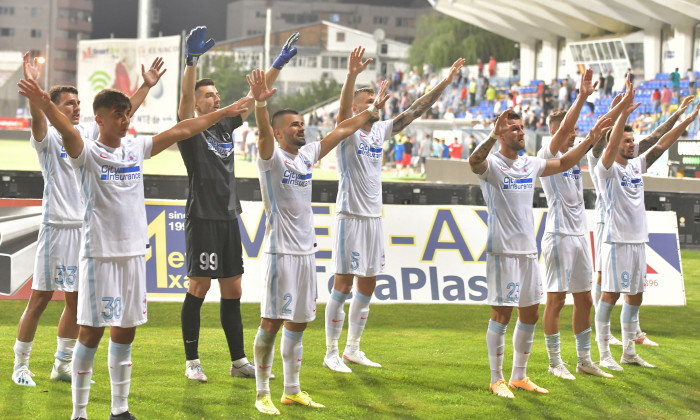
column 456, row 66
column 617, row 99
column 30, row 68
column 382, row 96
column 502, row 124
column 258, row 86
column 601, row 126
column 238, row 107
column 197, row 44
column 587, row 86
column 30, row 89
column 355, row 63
column 631, row 106
column 153, row 75
column 287, row 53
column 685, row 104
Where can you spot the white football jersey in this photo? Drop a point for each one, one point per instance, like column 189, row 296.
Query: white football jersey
column 508, row 187
column 61, row 202
column 111, row 183
column 599, row 188
column 564, row 192
column 285, row 184
column 359, row 163
column 625, row 216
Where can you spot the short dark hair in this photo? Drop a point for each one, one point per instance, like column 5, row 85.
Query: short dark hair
column 363, row 90
column 111, row 98
column 556, row 117
column 512, row 115
column 628, row 129
column 56, row 92
column 277, row 115
column 203, row 82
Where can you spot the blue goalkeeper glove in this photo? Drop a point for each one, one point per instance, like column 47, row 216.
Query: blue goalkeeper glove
column 288, row 52
column 196, row 44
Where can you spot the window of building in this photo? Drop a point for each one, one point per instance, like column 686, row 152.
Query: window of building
column 383, row 49
column 402, row 21
column 260, row 15
column 334, row 17
column 8, row 10
column 340, row 36
column 35, row 11
column 7, row 32
column 36, row 33
column 380, row 20
column 354, row 19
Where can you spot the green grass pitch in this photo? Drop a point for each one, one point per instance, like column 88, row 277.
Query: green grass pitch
column 435, row 367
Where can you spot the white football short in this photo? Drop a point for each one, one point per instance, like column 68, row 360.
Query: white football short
column 57, row 258
column 624, row 268
column 289, row 291
column 567, row 263
column 598, row 238
column 112, row 292
column 513, row 280
column 358, row 246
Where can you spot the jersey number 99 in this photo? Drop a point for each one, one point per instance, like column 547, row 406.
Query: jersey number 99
column 208, row 261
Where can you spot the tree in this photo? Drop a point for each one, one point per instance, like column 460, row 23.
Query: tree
column 315, row 93
column 228, row 75
column 440, row 40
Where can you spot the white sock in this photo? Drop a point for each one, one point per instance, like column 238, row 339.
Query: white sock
column 629, row 319
column 64, row 349
column 240, row 362
column 264, row 351
column 359, row 311
column 292, row 351
column 83, row 358
column 335, row 318
column 22, row 351
column 496, row 344
column 602, row 327
column 583, row 345
column 119, row 363
column 523, row 338
column 553, row 349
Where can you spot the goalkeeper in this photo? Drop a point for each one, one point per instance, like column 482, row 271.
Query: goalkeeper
column 212, row 236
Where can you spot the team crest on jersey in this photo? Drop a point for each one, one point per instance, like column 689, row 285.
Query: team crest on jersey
column 63, row 153
column 131, row 157
column 220, row 149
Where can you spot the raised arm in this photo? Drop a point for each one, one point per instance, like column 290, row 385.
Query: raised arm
column 196, row 44
column 669, row 138
column 188, row 128
column 664, row 128
column 616, row 135
column 615, row 109
column 586, row 88
column 477, row 160
column 288, row 52
column 573, row 156
column 353, row 124
column 72, row 141
column 150, row 79
column 39, row 125
column 422, row 104
column 355, row 67
column 260, row 92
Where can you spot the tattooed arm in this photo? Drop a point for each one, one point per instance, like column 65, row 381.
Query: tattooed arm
column 664, row 128
column 669, row 138
column 426, row 101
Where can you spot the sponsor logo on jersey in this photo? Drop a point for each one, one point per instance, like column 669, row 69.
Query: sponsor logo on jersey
column 633, row 183
column 517, row 183
column 293, row 178
column 574, row 174
column 369, row 151
column 63, row 153
column 128, row 173
column 220, row 149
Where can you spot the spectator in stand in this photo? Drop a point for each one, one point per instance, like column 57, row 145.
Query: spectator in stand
column 398, row 156
column 563, row 96
column 601, row 84
column 456, row 149
column 609, row 82
column 692, row 78
column 490, row 95
column 675, row 79
column 471, row 145
column 463, row 94
column 445, row 154
column 515, row 67
column 449, row 114
column 479, row 67
column 656, row 100
column 251, row 141
column 547, row 100
column 630, row 75
column 577, row 82
column 426, row 147
column 389, row 145
column 492, row 66
column 472, row 92
column 590, row 101
column 665, row 100
column 554, row 91
column 407, row 155
column 437, row 148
